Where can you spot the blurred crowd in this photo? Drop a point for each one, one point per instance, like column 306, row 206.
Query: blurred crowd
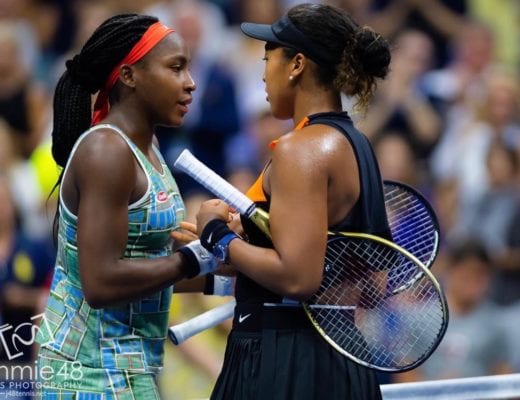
column 446, row 121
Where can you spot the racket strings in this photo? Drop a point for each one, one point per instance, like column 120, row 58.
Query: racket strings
column 414, row 228
column 363, row 319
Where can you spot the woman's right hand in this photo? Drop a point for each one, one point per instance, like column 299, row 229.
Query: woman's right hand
column 210, row 210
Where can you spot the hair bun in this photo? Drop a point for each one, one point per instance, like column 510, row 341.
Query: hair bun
column 78, row 74
column 374, row 52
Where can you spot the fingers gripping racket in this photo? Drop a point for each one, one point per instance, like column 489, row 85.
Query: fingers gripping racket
column 387, row 327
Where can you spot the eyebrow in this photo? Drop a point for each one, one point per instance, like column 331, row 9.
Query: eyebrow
column 179, row 58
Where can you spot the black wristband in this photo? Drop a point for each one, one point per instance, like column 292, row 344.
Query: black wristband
column 192, row 266
column 214, row 230
column 209, row 285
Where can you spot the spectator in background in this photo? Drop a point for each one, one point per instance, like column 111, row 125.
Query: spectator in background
column 440, row 20
column 244, row 56
column 456, row 86
column 506, row 289
column 490, row 218
column 28, row 183
column 461, row 155
column 396, row 158
column 24, row 105
column 399, row 105
column 24, row 266
column 503, row 18
column 474, row 344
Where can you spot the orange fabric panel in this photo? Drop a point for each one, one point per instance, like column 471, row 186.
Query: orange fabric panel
column 256, row 191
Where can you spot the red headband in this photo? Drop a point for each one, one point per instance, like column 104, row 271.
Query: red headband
column 153, row 35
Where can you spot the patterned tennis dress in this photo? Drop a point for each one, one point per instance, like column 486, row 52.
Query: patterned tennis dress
column 115, row 352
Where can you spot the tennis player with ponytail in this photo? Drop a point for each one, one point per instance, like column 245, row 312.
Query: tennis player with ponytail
column 322, row 176
column 107, row 313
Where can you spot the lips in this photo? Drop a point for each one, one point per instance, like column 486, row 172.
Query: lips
column 184, row 104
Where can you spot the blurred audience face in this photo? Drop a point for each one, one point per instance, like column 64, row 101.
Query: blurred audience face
column 90, row 14
column 396, row 158
column 12, row 8
column 502, row 164
column 7, row 210
column 475, row 46
column 503, row 98
column 187, row 21
column 412, row 55
column 261, row 12
column 467, row 282
column 7, row 149
column 10, row 60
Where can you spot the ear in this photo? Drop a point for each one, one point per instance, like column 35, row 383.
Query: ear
column 127, row 75
column 298, row 64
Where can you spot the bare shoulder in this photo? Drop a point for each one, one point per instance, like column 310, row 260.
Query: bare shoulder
column 104, row 153
column 103, row 146
column 317, row 144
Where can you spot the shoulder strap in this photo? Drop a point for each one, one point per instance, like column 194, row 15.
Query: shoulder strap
column 372, row 213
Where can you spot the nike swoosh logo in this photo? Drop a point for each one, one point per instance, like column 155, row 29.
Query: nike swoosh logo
column 209, row 237
column 242, row 318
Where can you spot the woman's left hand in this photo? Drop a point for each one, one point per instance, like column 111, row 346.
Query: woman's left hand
column 186, row 233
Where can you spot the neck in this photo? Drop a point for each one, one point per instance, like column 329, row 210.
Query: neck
column 315, row 101
column 132, row 123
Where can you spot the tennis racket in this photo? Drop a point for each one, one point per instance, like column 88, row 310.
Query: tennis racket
column 414, row 227
column 386, row 327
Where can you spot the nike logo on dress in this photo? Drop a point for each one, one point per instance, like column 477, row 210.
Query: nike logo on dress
column 242, row 318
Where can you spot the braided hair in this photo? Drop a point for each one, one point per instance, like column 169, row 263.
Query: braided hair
column 86, row 74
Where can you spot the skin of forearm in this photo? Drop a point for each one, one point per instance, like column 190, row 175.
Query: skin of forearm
column 127, row 280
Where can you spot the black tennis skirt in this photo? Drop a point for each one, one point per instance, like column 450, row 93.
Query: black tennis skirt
column 280, row 356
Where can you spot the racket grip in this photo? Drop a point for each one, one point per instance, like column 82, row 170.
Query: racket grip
column 180, row 332
column 208, row 178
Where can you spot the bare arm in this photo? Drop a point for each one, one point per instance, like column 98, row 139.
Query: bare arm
column 105, row 185
column 298, row 180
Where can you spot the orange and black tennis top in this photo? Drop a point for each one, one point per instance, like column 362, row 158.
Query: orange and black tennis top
column 368, row 214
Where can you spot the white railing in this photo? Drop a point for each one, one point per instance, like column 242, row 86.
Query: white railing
column 496, row 387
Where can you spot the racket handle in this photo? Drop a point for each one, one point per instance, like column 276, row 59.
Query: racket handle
column 208, row 178
column 180, row 332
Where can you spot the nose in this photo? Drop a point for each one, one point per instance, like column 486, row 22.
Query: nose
column 190, row 83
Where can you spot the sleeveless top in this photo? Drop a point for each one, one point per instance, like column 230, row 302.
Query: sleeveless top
column 368, row 214
column 128, row 336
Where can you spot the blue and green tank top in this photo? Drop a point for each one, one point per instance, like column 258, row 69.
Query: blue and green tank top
column 128, row 337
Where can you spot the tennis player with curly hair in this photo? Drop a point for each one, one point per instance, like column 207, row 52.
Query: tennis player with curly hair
column 322, row 176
